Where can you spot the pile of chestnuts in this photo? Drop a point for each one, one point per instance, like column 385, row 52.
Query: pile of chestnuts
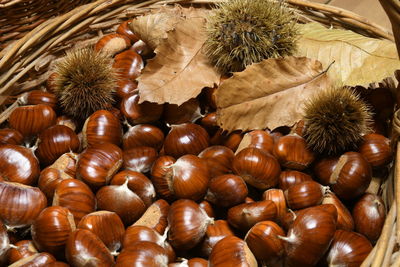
column 163, row 185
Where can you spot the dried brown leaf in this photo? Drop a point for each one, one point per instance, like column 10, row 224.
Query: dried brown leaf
column 269, row 94
column 180, row 69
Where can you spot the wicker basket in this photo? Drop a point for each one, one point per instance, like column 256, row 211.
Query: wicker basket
column 24, row 65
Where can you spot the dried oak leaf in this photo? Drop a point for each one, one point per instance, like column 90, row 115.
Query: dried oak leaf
column 269, row 94
column 359, row 60
column 180, row 69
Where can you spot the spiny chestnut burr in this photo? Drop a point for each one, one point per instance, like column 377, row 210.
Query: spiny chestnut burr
column 143, row 253
column 278, row 197
column 348, row 176
column 188, row 224
column 54, row 142
column 84, row 248
column 189, row 111
column 186, row 177
column 97, row 164
column 51, row 230
column 219, row 160
column 20, row 204
column 18, row 164
column 155, row 216
column 259, row 139
column 22, row 249
column 288, row 178
column 226, row 190
column 305, row 194
column 76, row 196
column 263, row 240
column 102, row 127
column 348, row 249
column 376, row 150
column 257, row 168
column 125, row 30
column 98, row 221
column 37, row 259
column 292, row 152
column 186, row 138
column 121, row 200
column 137, row 183
column 245, row 215
column 128, row 64
column 139, row 159
column 33, row 119
column 112, row 44
column 345, row 220
column 215, row 232
column 136, row 233
column 10, row 136
column 369, row 216
column 310, row 235
column 232, row 251
column 136, row 113
column 143, row 135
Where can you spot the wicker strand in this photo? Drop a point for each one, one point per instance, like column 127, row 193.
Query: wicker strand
column 389, row 251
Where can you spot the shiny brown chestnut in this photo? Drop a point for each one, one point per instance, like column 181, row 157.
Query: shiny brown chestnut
column 278, row 197
column 37, row 259
column 369, row 216
column 128, row 65
column 21, row 249
column 305, row 194
column 97, row 164
column 5, row 248
column 257, row 168
column 143, row 253
column 259, row 139
column 125, row 30
column 287, row 178
column 102, row 127
column 206, row 206
column 121, row 200
column 136, row 113
column 139, row 159
column 186, row 138
column 143, row 135
column 226, row 190
column 98, row 221
column 292, row 152
column 67, row 121
column 76, row 196
column 376, row 150
column 20, row 204
column 232, row 251
column 344, row 220
column 161, row 176
column 263, row 240
column 215, row 232
column 112, row 44
column 51, row 230
column 245, row 215
column 193, row 262
column 36, row 97
column 209, row 122
column 188, row 224
column 155, row 216
column 219, row 160
column 348, row 176
column 33, row 119
column 55, row 141
column 18, row 164
column 84, row 248
column 348, row 249
column 187, row 112
column 231, row 140
column 10, row 136
column 138, row 183
column 142, row 49
column 125, row 87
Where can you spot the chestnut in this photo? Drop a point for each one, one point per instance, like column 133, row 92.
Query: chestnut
column 161, row 176
column 344, row 220
column 36, row 97
column 215, row 232
column 376, row 150
column 125, row 30
column 209, row 122
column 143, row 135
column 51, row 230
column 186, row 138
column 37, row 259
column 155, row 216
column 257, row 168
column 22, row 249
column 231, row 140
column 33, row 119
column 305, row 194
column 232, row 251
column 76, row 196
column 128, row 64
column 20, row 205
column 97, row 221
column 67, row 121
column 112, row 44
column 226, row 190
column 287, row 178
column 369, row 214
column 186, row 112
column 145, row 112
column 143, row 253
column 259, row 139
column 207, row 207
column 219, row 160
column 278, row 197
column 125, row 87
column 292, row 152
column 5, row 248
column 55, row 141
column 10, row 136
column 97, row 164
column 139, row 159
column 84, row 248
column 18, row 164
column 102, row 127
column 188, row 224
